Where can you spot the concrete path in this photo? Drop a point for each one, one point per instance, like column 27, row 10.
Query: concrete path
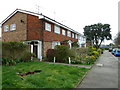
column 105, row 76
column 84, row 66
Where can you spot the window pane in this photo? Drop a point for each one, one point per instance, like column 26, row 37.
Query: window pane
column 6, row 28
column 68, row 33
column 48, row 27
column 76, row 36
column 54, row 43
column 63, row 32
column 73, row 35
column 13, row 27
column 57, row 29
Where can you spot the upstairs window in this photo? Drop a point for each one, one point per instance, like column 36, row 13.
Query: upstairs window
column 57, row 29
column 73, row 35
column 6, row 28
column 48, row 27
column 76, row 36
column 68, row 33
column 63, row 32
column 12, row 27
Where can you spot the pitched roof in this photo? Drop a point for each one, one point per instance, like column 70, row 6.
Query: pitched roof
column 41, row 16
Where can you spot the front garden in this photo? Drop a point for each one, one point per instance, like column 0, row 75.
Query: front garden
column 19, row 71
column 84, row 56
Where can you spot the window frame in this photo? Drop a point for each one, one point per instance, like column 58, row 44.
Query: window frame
column 73, row 35
column 12, row 28
column 76, row 36
column 68, row 33
column 64, row 33
column 48, row 27
column 6, row 29
column 54, row 43
column 56, row 28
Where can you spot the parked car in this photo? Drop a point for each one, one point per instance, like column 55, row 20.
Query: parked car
column 110, row 49
column 117, row 52
column 113, row 51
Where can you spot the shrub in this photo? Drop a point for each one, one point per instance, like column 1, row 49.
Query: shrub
column 15, row 52
column 75, row 44
column 90, row 59
column 50, row 54
column 27, row 56
column 8, row 61
column 62, row 53
column 95, row 53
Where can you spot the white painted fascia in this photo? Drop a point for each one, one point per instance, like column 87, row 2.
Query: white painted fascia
column 23, row 11
column 40, row 17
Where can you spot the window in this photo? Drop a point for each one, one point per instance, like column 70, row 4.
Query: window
column 68, row 33
column 76, row 36
column 12, row 27
column 6, row 27
column 73, row 35
column 63, row 32
column 54, row 44
column 57, row 29
column 48, row 27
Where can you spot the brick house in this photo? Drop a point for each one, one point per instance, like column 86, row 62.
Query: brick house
column 37, row 30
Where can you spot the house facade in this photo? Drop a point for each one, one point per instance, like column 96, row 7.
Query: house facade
column 37, row 30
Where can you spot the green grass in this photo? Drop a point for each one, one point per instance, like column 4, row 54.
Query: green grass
column 52, row 75
column 0, row 77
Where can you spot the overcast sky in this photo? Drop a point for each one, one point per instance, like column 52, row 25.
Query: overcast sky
column 74, row 13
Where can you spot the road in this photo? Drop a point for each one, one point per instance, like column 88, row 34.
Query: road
column 105, row 76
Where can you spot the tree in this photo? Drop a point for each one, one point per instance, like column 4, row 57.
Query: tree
column 117, row 40
column 97, row 33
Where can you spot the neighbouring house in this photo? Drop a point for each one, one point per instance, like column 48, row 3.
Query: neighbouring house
column 39, row 31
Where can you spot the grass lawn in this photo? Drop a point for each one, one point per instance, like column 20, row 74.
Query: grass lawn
column 52, row 75
column 0, row 77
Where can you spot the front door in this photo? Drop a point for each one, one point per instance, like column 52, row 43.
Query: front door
column 35, row 48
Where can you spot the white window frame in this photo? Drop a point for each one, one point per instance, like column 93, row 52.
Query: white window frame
column 63, row 32
column 73, row 35
column 6, row 28
column 48, row 27
column 54, row 43
column 68, row 33
column 76, row 36
column 56, row 29
column 12, row 27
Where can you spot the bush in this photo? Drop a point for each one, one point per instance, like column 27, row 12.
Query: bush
column 50, row 54
column 62, row 53
column 85, row 55
column 27, row 56
column 91, row 59
column 75, row 44
column 15, row 52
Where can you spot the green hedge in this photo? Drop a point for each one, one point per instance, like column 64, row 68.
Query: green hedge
column 15, row 52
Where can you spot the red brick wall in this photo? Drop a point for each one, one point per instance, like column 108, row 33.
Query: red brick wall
column 51, row 36
column 33, row 28
column 20, row 34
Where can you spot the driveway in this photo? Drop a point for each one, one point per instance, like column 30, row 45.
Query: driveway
column 105, row 76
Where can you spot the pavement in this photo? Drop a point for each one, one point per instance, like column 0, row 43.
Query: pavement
column 104, row 74
column 84, row 66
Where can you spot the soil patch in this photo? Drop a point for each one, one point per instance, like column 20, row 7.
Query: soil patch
column 27, row 73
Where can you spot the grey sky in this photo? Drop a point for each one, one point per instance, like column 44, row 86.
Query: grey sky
column 74, row 13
